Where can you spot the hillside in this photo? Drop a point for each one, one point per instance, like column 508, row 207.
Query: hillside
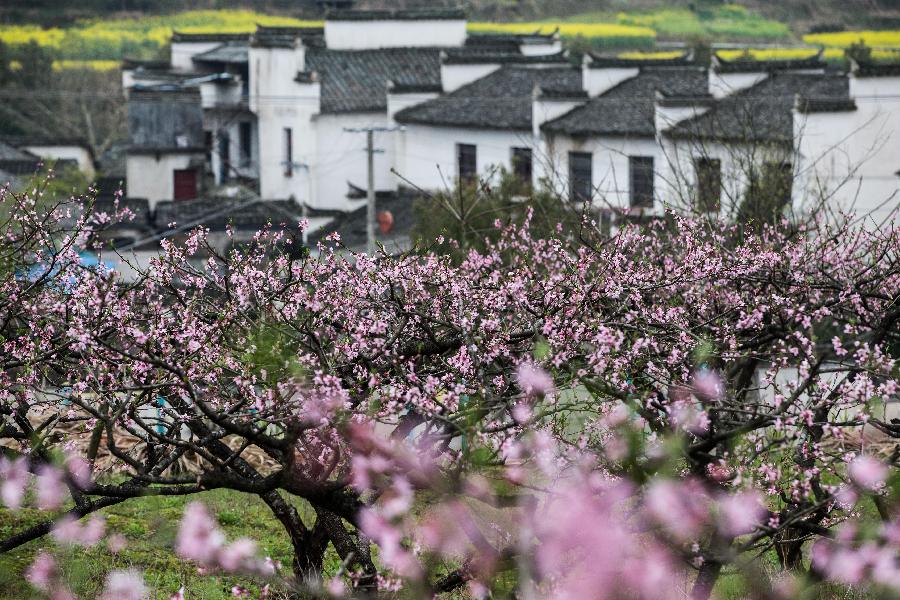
column 797, row 15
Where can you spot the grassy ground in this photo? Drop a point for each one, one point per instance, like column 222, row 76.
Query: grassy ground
column 150, row 525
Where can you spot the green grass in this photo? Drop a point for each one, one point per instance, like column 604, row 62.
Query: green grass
column 726, row 21
column 150, row 524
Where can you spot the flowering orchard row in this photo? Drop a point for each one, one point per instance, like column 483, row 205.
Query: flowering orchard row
column 574, row 417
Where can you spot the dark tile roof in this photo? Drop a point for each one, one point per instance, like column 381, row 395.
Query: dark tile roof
column 508, row 42
column 286, row 37
column 14, row 161
column 217, row 213
column 9, row 151
column 356, row 80
column 232, row 53
column 628, row 108
column 351, row 226
column 763, row 112
column 501, row 100
column 599, row 61
column 875, row 69
column 443, row 14
column 395, row 88
column 178, row 36
column 161, row 121
column 137, row 63
column 720, row 65
column 476, row 55
column 815, row 105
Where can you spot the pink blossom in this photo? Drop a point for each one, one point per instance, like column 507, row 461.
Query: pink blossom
column 69, row 531
column 397, row 499
column 179, row 595
column 681, row 508
column 124, row 585
column 14, row 477
column 335, row 587
column 740, row 513
column 388, row 537
column 199, row 538
column 708, row 385
column 116, row 543
column 237, row 555
column 42, row 571
column 533, row 380
column 868, row 473
column 80, row 471
column 49, row 487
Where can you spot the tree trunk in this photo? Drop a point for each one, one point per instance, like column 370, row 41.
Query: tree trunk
column 706, row 580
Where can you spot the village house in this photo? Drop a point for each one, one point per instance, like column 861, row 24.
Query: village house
column 284, row 112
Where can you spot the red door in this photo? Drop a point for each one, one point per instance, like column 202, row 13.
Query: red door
column 185, row 184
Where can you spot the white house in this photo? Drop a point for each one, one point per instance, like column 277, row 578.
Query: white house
column 285, row 108
column 482, row 125
column 848, row 148
column 285, row 111
column 607, row 147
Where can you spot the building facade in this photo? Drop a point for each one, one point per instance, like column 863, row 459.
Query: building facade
column 284, row 111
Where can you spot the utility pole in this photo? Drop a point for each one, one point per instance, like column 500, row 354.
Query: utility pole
column 370, row 194
column 370, row 191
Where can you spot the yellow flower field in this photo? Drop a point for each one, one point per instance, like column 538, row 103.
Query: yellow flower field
column 93, row 65
column 606, row 34
column 844, row 39
column 661, row 55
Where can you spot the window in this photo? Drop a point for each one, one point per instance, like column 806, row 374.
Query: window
column 709, row 184
column 581, row 184
column 466, row 162
column 778, row 180
column 288, row 152
column 521, row 164
column 224, row 157
column 768, row 194
column 640, row 175
column 208, row 148
column 185, row 184
column 246, row 142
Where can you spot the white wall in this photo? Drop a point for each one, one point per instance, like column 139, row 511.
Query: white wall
column 427, row 155
column 596, row 81
column 151, row 176
column 454, row 77
column 852, row 157
column 361, row 35
column 397, row 102
column 543, row 49
column 677, row 173
column 184, row 52
column 724, row 84
column 218, row 94
column 228, row 123
column 279, row 102
column 609, row 166
column 79, row 154
column 341, row 158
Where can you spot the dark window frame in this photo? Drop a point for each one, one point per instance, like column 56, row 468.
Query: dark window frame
column 224, row 157
column 466, row 162
column 522, row 160
column 178, row 181
column 581, row 176
column 245, row 141
column 708, row 172
column 641, row 189
column 288, row 148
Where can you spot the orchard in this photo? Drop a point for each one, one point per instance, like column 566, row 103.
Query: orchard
column 568, row 417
